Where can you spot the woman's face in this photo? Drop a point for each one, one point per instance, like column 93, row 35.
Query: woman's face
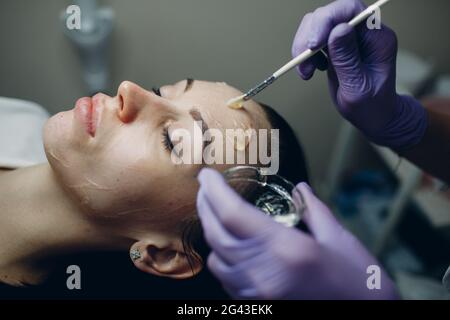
column 113, row 156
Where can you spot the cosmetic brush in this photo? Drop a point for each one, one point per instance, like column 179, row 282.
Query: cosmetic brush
column 238, row 102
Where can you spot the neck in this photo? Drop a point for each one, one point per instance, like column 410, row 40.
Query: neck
column 39, row 222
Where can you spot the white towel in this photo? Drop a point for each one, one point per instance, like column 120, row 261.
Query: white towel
column 21, row 125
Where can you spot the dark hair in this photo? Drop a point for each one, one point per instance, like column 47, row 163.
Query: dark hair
column 293, row 164
column 292, row 167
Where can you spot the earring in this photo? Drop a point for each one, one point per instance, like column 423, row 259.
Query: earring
column 135, row 254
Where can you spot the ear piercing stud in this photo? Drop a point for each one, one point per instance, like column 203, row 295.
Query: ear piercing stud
column 135, row 254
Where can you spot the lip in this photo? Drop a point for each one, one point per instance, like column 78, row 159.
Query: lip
column 85, row 109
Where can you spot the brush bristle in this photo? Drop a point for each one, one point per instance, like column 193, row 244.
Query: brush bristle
column 236, row 103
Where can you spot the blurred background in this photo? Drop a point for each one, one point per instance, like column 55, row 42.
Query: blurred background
column 400, row 213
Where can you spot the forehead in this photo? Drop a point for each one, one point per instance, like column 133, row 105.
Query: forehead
column 210, row 99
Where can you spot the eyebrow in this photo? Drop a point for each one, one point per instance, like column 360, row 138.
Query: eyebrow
column 189, row 83
column 197, row 116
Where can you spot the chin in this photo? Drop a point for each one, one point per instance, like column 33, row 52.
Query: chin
column 56, row 135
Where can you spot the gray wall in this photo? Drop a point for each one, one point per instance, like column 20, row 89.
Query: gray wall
column 237, row 41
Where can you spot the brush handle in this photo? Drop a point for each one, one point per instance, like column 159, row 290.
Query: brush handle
column 305, row 55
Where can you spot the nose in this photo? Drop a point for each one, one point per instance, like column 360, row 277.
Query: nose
column 133, row 99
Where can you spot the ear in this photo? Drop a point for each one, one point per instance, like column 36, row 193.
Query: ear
column 167, row 260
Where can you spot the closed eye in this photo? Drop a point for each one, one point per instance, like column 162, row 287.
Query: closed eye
column 167, row 143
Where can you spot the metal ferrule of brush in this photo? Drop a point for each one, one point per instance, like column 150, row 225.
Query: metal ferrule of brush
column 253, row 92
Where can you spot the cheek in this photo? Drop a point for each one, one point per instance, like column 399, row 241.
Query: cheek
column 119, row 174
column 110, row 187
column 173, row 199
column 109, row 174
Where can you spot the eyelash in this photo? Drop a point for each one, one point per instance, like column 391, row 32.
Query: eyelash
column 156, row 91
column 167, row 143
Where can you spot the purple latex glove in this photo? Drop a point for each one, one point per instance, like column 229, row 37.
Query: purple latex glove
column 361, row 73
column 257, row 258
